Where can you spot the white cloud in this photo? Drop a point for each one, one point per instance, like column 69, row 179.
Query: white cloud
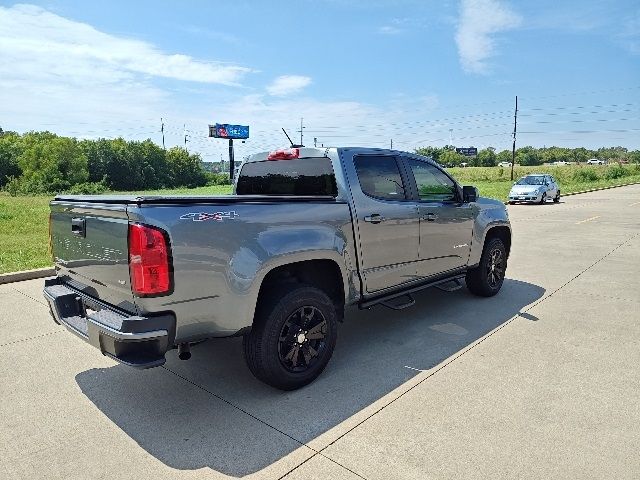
column 629, row 34
column 66, row 76
column 288, row 84
column 479, row 21
column 30, row 32
column 389, row 30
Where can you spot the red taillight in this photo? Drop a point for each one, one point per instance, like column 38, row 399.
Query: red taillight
column 149, row 260
column 284, row 154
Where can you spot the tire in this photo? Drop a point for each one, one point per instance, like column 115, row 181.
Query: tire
column 543, row 198
column 293, row 336
column 556, row 199
column 512, row 203
column 484, row 280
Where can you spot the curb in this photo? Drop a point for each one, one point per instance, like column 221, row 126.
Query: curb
column 594, row 190
column 26, row 275
column 598, row 189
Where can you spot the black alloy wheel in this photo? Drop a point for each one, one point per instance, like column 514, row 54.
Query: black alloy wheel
column 293, row 335
column 496, row 267
column 302, row 339
column 487, row 278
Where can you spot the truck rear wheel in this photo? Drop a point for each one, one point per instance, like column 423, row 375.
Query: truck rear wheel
column 486, row 279
column 293, row 336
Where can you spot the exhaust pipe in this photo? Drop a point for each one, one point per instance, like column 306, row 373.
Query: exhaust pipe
column 184, row 351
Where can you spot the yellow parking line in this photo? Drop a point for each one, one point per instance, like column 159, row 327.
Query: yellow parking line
column 587, row 220
column 637, row 203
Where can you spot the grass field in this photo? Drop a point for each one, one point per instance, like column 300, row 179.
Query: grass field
column 24, row 220
column 495, row 182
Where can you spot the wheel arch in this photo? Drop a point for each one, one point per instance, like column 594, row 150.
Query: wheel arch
column 503, row 233
column 324, row 274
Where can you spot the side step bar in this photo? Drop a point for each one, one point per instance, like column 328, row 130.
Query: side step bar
column 398, row 305
column 452, row 286
column 384, row 300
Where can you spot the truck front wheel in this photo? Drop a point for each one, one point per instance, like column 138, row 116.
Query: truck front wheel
column 293, row 336
column 487, row 278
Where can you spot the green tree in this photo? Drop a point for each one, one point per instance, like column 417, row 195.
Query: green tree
column 487, row 157
column 528, row 156
column 504, row 156
column 432, row 152
column 10, row 149
column 50, row 163
column 185, row 170
column 452, row 158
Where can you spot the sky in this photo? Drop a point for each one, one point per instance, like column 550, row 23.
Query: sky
column 357, row 72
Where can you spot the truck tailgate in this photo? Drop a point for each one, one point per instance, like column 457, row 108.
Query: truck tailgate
column 89, row 244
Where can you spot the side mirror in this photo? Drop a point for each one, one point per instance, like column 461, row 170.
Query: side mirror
column 469, row 194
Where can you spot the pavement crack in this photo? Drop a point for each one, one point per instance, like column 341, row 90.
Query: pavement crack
column 578, row 275
column 41, row 302
column 258, row 419
column 30, row 338
column 471, row 347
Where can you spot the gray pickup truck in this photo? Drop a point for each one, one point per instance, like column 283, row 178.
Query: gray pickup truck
column 307, row 233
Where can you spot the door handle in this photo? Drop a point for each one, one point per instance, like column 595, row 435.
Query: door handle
column 78, row 227
column 374, row 218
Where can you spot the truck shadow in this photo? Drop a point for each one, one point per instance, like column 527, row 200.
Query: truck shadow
column 211, row 412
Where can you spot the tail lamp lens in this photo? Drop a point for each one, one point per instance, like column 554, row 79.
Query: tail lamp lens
column 149, row 260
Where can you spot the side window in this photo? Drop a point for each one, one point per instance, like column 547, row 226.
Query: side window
column 379, row 177
column 433, row 185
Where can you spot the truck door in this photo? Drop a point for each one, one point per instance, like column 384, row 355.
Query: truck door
column 446, row 224
column 387, row 223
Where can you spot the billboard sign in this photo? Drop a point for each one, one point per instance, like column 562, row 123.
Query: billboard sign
column 225, row 130
column 467, row 151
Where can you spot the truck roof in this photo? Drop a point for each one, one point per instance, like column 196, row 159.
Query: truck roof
column 314, row 152
column 303, row 152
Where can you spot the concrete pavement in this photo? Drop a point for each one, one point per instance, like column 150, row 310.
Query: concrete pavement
column 541, row 380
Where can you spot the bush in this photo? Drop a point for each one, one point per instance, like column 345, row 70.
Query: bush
column 615, row 171
column 585, row 175
column 217, row 179
column 13, row 186
column 88, row 188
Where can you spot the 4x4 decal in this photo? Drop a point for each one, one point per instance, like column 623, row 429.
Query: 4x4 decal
column 204, row 216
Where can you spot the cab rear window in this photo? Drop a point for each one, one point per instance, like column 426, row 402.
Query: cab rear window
column 303, row 176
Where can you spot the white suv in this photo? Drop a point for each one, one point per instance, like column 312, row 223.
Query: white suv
column 595, row 161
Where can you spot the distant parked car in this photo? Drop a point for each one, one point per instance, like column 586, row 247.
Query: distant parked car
column 560, row 162
column 535, row 188
column 504, row 164
column 595, row 161
column 464, row 164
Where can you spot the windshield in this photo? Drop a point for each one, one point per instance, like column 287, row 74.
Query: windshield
column 531, row 180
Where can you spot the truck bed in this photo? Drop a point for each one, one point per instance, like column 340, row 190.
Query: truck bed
column 221, row 247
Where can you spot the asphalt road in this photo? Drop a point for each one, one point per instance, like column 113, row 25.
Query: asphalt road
column 542, row 380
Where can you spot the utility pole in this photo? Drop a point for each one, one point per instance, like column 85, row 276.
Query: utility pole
column 513, row 149
column 231, row 161
column 392, row 144
column 185, row 136
column 162, row 130
column 315, row 141
column 301, row 128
